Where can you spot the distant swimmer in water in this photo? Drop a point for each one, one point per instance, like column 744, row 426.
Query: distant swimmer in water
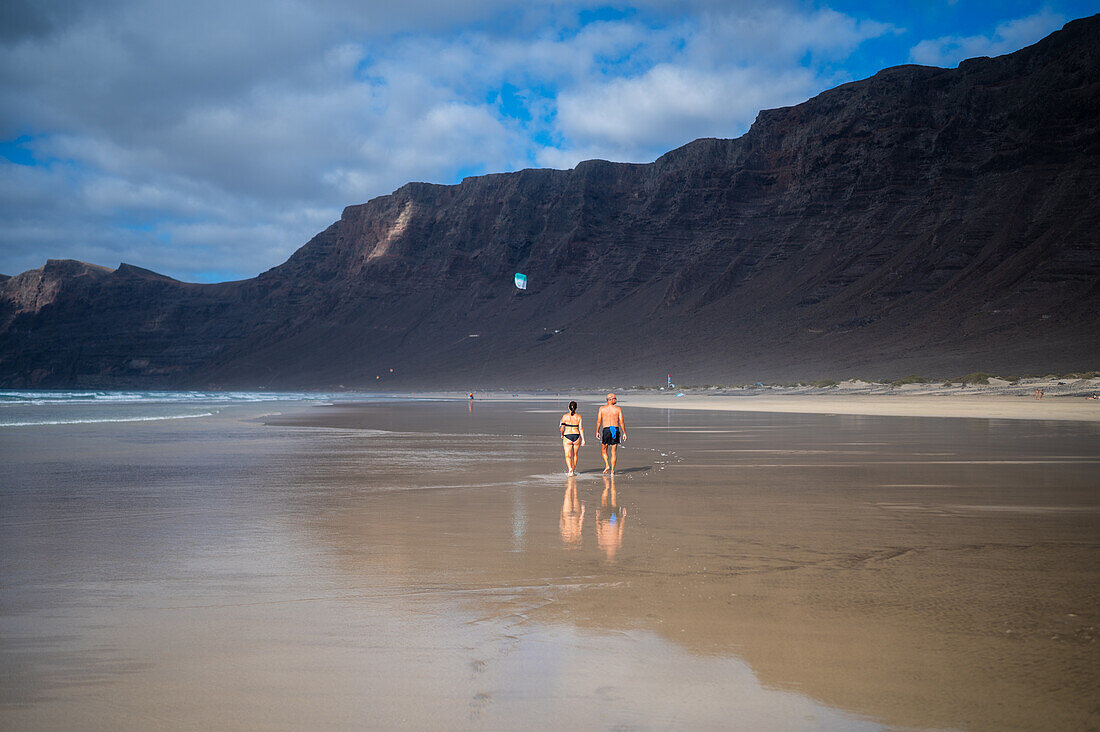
column 611, row 429
column 572, row 437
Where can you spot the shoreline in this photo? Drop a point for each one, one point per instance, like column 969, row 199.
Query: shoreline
column 995, row 402
column 1066, row 399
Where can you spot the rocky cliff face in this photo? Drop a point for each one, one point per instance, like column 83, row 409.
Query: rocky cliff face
column 923, row 220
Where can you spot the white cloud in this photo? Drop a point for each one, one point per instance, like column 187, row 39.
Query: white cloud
column 218, row 137
column 1008, row 36
column 732, row 64
column 638, row 119
column 176, row 228
column 779, row 35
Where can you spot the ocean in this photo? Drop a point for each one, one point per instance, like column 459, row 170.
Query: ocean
column 36, row 408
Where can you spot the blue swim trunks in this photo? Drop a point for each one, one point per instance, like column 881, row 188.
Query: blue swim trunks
column 610, row 436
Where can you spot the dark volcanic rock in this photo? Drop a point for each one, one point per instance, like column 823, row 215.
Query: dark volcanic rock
column 923, row 220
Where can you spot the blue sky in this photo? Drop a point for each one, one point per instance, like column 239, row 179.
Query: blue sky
column 209, row 140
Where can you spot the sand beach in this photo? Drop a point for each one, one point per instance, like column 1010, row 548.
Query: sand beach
column 293, row 302
column 420, row 563
column 1064, row 398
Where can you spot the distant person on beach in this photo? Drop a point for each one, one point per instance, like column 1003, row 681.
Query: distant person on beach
column 572, row 437
column 611, row 429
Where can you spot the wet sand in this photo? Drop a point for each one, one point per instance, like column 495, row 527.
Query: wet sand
column 425, row 565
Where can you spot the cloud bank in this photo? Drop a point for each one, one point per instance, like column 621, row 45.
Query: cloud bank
column 1005, row 38
column 208, row 140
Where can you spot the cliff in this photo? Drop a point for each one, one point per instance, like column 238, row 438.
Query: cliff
column 925, row 220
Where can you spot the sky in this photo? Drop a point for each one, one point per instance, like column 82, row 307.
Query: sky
column 208, row 140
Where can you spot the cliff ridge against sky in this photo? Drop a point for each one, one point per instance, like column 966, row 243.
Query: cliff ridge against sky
column 924, row 220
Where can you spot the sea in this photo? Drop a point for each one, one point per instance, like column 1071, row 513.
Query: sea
column 36, row 408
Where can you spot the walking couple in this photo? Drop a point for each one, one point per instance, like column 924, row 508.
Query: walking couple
column 610, row 430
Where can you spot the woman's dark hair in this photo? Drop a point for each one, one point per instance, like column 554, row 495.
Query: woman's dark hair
column 572, row 407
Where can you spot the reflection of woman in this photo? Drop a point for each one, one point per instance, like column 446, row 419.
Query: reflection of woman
column 610, row 519
column 572, row 516
column 572, row 437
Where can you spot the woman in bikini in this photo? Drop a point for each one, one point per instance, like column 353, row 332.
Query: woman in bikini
column 572, row 437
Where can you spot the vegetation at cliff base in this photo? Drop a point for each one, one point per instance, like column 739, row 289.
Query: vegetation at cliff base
column 978, row 377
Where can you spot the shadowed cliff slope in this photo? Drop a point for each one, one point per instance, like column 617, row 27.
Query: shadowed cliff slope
column 924, row 220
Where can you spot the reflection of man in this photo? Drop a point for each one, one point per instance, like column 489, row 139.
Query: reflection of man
column 572, row 516
column 610, row 519
column 610, row 429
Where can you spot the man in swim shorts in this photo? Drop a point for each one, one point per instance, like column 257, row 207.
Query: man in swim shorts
column 611, row 430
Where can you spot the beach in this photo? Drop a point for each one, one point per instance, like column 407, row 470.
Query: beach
column 1065, row 398
column 425, row 563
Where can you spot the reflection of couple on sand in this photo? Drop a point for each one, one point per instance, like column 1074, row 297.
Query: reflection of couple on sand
column 572, row 516
column 610, row 518
column 610, row 429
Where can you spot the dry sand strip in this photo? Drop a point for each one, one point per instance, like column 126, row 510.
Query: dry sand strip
column 1078, row 409
column 983, row 406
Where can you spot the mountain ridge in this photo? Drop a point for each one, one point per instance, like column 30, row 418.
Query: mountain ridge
column 922, row 219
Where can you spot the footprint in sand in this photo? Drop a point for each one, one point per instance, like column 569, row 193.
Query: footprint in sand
column 480, row 701
column 607, row 693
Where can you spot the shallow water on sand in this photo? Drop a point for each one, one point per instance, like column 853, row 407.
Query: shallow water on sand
column 429, row 565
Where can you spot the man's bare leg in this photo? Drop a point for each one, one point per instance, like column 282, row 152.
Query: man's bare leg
column 613, row 452
column 606, row 464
